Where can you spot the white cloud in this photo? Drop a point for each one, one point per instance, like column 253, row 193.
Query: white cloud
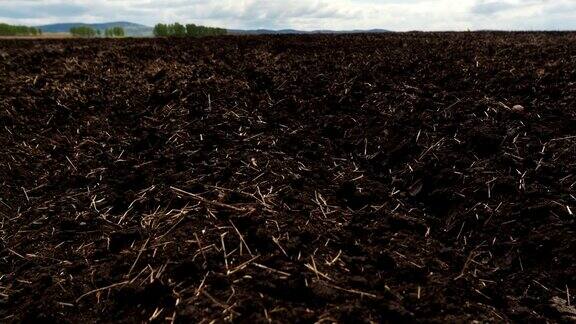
column 305, row 14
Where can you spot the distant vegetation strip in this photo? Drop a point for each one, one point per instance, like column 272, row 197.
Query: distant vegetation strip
column 190, row 30
column 114, row 32
column 88, row 32
column 83, row 31
column 160, row 30
column 91, row 31
column 12, row 30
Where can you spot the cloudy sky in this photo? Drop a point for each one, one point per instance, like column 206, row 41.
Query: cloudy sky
column 397, row 15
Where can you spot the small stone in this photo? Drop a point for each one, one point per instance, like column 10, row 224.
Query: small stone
column 518, row 108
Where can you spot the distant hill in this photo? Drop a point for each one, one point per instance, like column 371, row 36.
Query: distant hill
column 131, row 29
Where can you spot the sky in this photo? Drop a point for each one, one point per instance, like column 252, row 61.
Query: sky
column 397, row 15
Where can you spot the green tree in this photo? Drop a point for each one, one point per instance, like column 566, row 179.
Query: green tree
column 114, row 32
column 178, row 30
column 83, row 31
column 190, row 30
column 161, row 30
column 12, row 30
column 118, row 32
column 201, row 31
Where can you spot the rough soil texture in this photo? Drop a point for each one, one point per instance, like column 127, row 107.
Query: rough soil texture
column 368, row 178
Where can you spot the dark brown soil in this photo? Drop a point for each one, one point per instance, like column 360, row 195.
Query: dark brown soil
column 379, row 178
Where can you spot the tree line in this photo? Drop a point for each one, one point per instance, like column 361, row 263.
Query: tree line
column 114, row 32
column 89, row 32
column 83, row 31
column 190, row 30
column 12, row 30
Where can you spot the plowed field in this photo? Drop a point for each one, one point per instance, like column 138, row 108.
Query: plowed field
column 371, row 178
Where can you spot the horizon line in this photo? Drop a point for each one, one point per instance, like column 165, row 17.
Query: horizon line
column 318, row 30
